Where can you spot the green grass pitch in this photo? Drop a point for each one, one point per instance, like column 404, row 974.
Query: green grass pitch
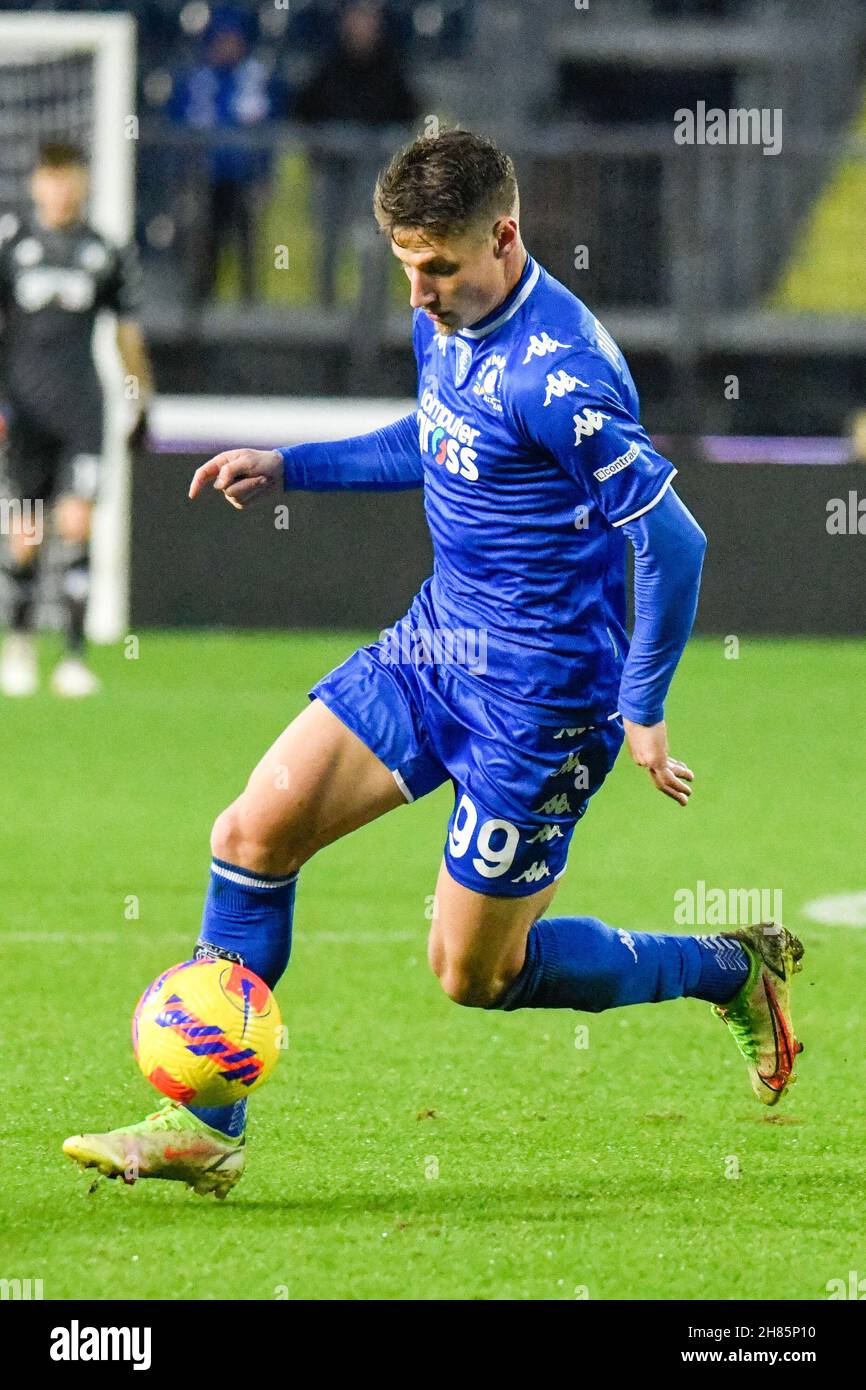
column 407, row 1148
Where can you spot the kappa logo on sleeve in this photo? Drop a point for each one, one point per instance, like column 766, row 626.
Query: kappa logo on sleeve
column 617, row 465
column 540, row 345
column 561, row 384
column 588, row 422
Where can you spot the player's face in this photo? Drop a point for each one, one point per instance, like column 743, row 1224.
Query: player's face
column 59, row 195
column 459, row 280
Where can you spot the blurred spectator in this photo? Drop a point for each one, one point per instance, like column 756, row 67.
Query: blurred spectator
column 361, row 82
column 229, row 91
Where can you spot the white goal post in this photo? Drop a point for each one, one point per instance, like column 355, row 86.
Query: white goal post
column 34, row 106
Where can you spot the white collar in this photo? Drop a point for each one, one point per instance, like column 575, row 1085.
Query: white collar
column 517, row 303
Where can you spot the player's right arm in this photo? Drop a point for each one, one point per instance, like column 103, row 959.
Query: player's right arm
column 386, row 460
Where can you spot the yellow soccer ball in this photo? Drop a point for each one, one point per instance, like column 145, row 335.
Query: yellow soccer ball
column 207, row 1032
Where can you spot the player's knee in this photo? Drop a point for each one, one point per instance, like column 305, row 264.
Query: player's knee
column 472, row 987
column 73, row 520
column 225, row 837
column 242, row 835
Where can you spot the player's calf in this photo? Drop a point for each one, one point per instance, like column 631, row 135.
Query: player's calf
column 20, row 567
column 258, row 844
column 72, row 678
column 477, row 943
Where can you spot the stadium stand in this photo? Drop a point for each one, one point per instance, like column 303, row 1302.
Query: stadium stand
column 693, row 263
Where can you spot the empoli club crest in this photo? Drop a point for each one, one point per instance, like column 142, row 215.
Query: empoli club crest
column 462, row 361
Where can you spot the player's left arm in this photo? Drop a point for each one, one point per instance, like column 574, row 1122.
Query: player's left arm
column 669, row 548
column 136, row 367
column 123, row 295
column 593, row 432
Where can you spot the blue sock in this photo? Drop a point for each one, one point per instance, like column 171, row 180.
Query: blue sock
column 580, row 963
column 247, row 918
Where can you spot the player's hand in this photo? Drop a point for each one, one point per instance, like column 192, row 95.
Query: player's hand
column 135, row 437
column 242, row 475
column 648, row 745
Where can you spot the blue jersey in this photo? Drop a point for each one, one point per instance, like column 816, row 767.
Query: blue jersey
column 535, row 471
column 507, row 672
column 533, row 461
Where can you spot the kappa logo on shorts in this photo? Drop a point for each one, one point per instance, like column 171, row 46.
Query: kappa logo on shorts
column 572, row 762
column 581, row 772
column 555, row 806
column 537, row 870
column 547, row 832
column 568, row 733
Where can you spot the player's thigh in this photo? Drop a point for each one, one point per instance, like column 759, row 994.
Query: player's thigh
column 477, row 942
column 26, row 480
column 316, row 783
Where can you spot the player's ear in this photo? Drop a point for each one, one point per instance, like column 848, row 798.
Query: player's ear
column 506, row 235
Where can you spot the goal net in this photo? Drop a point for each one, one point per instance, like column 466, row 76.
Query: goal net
column 72, row 77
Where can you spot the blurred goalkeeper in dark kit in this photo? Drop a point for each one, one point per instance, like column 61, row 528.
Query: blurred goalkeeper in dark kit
column 56, row 273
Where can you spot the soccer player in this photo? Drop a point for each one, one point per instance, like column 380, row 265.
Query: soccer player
column 511, row 675
column 56, row 273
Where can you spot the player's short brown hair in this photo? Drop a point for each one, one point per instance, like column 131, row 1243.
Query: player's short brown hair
column 445, row 184
column 60, row 154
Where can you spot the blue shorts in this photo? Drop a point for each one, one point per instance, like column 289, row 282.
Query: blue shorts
column 519, row 787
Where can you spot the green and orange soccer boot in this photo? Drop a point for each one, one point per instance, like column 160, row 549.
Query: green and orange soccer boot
column 171, row 1143
column 759, row 1015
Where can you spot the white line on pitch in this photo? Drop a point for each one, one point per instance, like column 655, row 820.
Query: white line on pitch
column 328, row 938
column 838, row 910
